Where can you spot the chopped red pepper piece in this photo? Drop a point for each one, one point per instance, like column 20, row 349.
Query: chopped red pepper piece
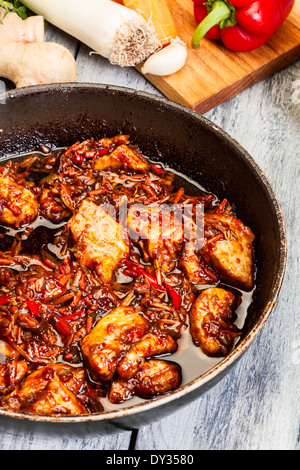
column 222, row 206
column 4, row 300
column 33, row 307
column 61, row 325
column 175, row 297
column 157, row 168
column 135, row 270
column 7, row 262
column 211, row 241
column 75, row 315
column 102, row 152
column 178, row 196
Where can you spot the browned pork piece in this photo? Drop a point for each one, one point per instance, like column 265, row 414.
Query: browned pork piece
column 191, row 261
column 155, row 377
column 153, row 343
column 113, row 334
column 122, row 157
column 51, row 207
column 12, row 370
column 194, row 268
column 161, row 231
column 18, row 205
column 7, row 352
column 51, row 390
column 11, row 374
column 232, row 255
column 211, row 322
column 112, row 142
column 99, row 243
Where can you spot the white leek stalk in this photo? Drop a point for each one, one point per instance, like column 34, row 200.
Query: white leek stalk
column 110, row 29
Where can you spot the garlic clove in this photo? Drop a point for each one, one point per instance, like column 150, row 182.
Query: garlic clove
column 168, row 60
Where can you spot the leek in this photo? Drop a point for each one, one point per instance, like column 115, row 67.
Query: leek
column 108, row 28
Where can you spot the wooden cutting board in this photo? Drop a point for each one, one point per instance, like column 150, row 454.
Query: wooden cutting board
column 213, row 74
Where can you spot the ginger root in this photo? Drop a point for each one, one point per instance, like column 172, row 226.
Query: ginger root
column 14, row 29
column 26, row 59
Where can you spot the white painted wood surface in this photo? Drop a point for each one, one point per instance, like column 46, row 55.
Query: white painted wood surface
column 256, row 406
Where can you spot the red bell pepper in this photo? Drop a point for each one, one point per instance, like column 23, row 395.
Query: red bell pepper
column 242, row 25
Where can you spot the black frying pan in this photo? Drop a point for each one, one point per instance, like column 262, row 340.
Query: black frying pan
column 59, row 115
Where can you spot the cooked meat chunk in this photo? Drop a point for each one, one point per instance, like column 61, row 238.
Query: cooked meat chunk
column 191, row 261
column 18, row 205
column 49, row 390
column 122, row 157
column 7, row 352
column 11, row 374
column 155, row 377
column 109, row 142
column 98, row 240
column 110, row 337
column 51, row 207
column 162, row 232
column 152, row 344
column 56, row 399
column 121, row 390
column 211, row 321
column 194, row 268
column 232, row 257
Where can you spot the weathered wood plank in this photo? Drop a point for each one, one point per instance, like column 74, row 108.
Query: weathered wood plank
column 22, row 435
column 53, row 34
column 96, row 69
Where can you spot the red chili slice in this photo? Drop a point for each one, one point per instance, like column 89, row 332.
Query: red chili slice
column 33, row 307
column 4, row 300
